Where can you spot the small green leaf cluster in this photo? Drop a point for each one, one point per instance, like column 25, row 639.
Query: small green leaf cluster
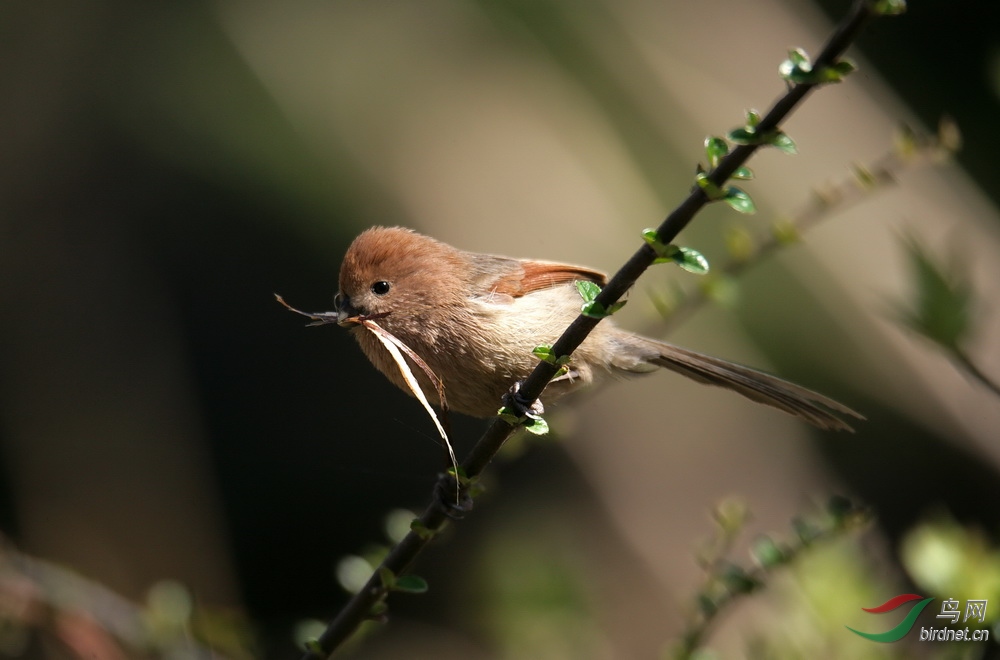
column 736, row 197
column 536, row 425
column 749, row 133
column 726, row 580
column 687, row 258
column 799, row 69
column 589, row 292
column 409, row 584
column 379, row 610
column 545, row 354
column 532, row 422
column 354, row 571
column 838, row 515
column 717, row 148
column 423, row 531
column 473, row 486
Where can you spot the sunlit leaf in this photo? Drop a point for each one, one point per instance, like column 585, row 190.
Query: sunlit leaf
column 689, row 259
column 711, row 189
column 743, row 135
column 715, row 149
column 781, row 140
column 588, row 290
column 740, row 200
column 537, row 426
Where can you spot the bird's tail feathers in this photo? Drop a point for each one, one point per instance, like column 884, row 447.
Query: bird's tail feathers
column 810, row 406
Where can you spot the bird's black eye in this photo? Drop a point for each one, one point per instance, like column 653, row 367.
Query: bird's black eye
column 380, row 288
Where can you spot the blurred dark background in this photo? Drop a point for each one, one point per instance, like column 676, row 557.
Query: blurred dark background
column 166, row 168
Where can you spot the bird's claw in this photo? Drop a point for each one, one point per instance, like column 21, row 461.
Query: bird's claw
column 519, row 407
column 454, row 498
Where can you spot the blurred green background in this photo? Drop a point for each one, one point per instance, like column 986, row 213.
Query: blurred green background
column 166, row 167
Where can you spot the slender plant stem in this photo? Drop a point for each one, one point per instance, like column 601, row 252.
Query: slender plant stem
column 360, row 606
column 831, row 199
column 720, row 590
column 963, row 359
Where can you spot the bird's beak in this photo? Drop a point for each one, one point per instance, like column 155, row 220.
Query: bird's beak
column 344, row 310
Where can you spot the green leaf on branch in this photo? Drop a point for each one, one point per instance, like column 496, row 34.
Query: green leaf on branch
column 798, row 69
column 840, row 70
column 712, row 191
column 750, row 135
column 459, row 475
column 379, row 612
column 743, row 173
column 589, row 292
column 735, row 197
column 410, row 584
column 545, row 354
column 687, row 258
column 744, row 135
column 506, row 413
column 753, row 118
column 596, row 310
column 739, row 200
column 781, row 140
column 799, row 58
column 715, row 149
column 531, row 422
column 387, row 577
column 422, row 530
column 536, row 425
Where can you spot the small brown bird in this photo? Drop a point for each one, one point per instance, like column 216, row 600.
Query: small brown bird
column 475, row 318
